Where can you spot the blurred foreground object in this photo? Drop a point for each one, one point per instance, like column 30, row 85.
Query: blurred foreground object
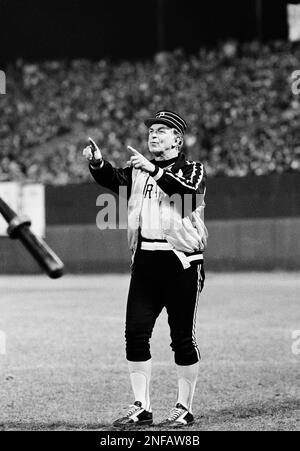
column 19, row 228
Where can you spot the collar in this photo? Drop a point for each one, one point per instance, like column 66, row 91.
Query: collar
column 178, row 162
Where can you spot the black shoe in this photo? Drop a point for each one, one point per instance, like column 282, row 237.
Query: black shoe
column 135, row 417
column 178, row 417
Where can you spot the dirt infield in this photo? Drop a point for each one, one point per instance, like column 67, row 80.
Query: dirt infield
column 65, row 368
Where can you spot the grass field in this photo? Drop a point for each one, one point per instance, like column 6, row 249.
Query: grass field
column 65, row 368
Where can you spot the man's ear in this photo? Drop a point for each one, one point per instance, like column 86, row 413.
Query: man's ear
column 179, row 141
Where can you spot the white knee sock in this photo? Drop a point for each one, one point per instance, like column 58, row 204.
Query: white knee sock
column 140, row 375
column 187, row 378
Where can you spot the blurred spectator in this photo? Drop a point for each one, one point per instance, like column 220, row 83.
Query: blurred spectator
column 243, row 118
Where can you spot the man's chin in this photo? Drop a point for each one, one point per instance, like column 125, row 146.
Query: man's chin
column 156, row 151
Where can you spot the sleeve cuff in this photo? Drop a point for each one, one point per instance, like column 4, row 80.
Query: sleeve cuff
column 100, row 166
column 157, row 174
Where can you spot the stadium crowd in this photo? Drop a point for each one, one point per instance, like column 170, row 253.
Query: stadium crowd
column 237, row 99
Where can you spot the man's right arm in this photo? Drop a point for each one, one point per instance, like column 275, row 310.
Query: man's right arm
column 104, row 173
column 112, row 178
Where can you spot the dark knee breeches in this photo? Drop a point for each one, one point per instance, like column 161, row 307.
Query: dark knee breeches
column 159, row 280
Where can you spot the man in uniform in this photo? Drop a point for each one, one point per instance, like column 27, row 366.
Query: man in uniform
column 167, row 237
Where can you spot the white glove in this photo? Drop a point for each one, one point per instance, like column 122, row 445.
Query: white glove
column 93, row 154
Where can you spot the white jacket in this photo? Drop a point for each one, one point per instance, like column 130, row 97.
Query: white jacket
column 186, row 233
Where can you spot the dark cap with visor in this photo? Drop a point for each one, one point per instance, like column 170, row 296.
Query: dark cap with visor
column 168, row 118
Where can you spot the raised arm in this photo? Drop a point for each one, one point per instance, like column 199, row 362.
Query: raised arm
column 104, row 173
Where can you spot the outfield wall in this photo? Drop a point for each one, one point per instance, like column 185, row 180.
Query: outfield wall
column 253, row 223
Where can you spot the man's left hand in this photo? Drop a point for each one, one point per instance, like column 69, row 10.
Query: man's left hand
column 138, row 161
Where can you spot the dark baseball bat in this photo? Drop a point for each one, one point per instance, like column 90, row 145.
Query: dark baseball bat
column 19, row 228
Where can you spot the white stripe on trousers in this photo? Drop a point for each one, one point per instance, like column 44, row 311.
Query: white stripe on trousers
column 195, row 311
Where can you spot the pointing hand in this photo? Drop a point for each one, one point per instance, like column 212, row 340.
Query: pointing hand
column 138, row 161
column 92, row 153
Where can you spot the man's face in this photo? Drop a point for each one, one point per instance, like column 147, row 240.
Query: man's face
column 161, row 139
